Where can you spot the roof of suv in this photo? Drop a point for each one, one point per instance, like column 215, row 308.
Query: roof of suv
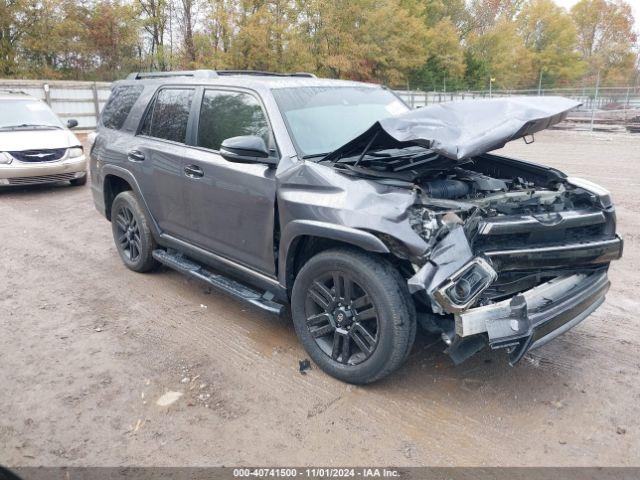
column 249, row 79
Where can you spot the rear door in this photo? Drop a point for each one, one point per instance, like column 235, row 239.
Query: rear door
column 231, row 205
column 158, row 156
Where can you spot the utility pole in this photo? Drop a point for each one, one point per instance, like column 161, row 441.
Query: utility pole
column 595, row 100
column 540, row 82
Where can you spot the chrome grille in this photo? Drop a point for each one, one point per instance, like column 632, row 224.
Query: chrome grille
column 31, row 156
column 60, row 177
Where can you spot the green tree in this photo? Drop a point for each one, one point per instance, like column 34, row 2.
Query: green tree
column 606, row 38
column 498, row 53
column 15, row 20
column 549, row 36
column 363, row 39
column 110, row 35
column 445, row 59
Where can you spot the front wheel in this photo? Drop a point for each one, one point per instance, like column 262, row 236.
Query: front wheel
column 353, row 314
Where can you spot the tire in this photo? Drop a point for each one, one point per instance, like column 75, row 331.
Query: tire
column 376, row 346
column 131, row 233
column 78, row 182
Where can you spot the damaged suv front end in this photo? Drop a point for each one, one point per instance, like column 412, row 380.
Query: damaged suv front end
column 515, row 269
column 495, row 251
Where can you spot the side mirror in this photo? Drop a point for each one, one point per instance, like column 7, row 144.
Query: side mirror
column 72, row 123
column 246, row 149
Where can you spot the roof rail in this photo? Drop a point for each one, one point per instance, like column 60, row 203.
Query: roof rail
column 178, row 73
column 213, row 74
column 266, row 74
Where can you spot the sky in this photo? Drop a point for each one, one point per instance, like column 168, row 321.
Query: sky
column 635, row 5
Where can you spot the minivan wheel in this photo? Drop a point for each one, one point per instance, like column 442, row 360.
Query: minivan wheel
column 353, row 314
column 78, row 182
column 132, row 234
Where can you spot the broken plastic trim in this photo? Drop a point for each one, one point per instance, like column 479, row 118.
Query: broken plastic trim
column 530, row 319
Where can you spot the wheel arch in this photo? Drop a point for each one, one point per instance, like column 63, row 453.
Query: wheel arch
column 117, row 180
column 112, row 186
column 302, row 239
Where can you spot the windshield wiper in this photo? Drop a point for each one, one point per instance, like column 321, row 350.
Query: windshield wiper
column 28, row 125
column 315, row 155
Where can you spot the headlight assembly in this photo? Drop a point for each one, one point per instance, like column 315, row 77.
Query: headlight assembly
column 464, row 286
column 74, row 152
column 5, row 158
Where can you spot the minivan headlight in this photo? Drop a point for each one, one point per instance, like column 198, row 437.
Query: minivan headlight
column 5, row 158
column 74, row 152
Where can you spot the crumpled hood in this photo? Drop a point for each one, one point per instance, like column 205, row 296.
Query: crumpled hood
column 460, row 130
column 18, row 140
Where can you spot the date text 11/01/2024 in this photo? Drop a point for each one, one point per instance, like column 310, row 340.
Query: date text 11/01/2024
column 316, row 472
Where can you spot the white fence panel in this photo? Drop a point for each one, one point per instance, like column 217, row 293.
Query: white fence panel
column 84, row 100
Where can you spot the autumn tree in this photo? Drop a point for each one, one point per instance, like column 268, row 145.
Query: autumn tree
column 549, row 37
column 15, row 21
column 363, row 39
column 426, row 44
column 498, row 54
column 110, row 34
column 606, row 38
column 155, row 18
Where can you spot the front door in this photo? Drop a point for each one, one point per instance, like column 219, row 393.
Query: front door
column 231, row 205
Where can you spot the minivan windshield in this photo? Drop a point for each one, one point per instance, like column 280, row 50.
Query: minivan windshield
column 321, row 119
column 27, row 114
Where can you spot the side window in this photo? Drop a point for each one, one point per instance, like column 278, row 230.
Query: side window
column 120, row 103
column 168, row 116
column 230, row 114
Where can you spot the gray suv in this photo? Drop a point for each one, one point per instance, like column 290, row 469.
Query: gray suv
column 364, row 216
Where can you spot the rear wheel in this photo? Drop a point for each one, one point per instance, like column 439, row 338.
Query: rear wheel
column 132, row 234
column 354, row 315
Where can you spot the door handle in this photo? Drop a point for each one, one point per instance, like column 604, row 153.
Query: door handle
column 193, row 171
column 135, row 156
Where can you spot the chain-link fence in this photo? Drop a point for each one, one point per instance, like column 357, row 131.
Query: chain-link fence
column 604, row 108
column 610, row 108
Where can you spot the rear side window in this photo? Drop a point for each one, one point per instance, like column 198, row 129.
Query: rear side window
column 230, row 114
column 120, row 103
column 168, row 116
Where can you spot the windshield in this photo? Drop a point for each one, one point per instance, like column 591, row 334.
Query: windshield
column 27, row 113
column 321, row 119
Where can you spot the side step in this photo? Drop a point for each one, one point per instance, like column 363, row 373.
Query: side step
column 184, row 265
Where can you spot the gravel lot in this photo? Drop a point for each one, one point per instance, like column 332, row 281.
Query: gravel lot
column 87, row 347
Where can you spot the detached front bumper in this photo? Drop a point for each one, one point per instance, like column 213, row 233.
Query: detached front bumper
column 530, row 319
column 526, row 320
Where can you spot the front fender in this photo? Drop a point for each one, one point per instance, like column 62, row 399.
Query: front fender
column 312, row 228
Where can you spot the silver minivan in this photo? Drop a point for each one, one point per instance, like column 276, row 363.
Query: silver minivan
column 35, row 146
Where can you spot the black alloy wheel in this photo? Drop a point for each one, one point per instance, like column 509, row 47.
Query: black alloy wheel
column 353, row 313
column 131, row 233
column 128, row 233
column 341, row 318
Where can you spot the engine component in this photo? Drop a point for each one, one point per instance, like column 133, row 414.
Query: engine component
column 446, row 188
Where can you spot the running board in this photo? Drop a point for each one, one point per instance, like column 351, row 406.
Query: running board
column 224, row 284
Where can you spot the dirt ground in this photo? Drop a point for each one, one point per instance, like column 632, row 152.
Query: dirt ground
column 87, row 348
